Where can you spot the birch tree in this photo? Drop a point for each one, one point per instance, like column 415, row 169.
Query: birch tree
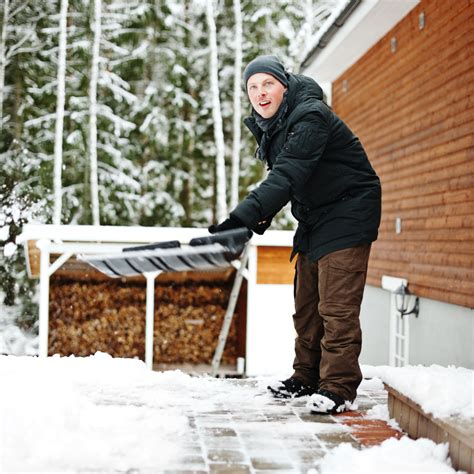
column 94, row 185
column 237, row 105
column 221, row 205
column 58, row 141
column 3, row 45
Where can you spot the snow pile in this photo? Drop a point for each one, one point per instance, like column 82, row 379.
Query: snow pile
column 92, row 413
column 393, row 455
column 440, row 391
column 82, row 413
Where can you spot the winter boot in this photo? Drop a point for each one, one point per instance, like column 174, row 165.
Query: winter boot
column 291, row 388
column 325, row 402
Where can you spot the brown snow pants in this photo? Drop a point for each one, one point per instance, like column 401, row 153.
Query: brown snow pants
column 328, row 295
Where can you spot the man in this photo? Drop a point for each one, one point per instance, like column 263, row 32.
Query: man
column 318, row 164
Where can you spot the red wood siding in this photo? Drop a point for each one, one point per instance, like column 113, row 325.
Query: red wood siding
column 413, row 110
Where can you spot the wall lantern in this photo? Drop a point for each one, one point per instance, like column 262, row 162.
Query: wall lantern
column 403, row 298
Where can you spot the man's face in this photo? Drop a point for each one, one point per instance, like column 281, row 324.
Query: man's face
column 265, row 93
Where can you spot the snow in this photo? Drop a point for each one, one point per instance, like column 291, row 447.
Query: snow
column 9, row 249
column 78, row 413
column 92, row 413
column 4, row 232
column 440, row 391
column 380, row 412
column 72, row 413
column 13, row 340
column 393, row 455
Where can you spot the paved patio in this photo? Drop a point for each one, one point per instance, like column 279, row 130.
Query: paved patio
column 278, row 436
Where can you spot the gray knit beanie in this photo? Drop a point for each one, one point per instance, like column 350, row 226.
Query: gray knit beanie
column 269, row 64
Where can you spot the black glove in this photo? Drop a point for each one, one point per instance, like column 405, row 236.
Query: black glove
column 229, row 224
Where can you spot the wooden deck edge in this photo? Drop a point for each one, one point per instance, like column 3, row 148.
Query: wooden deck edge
column 418, row 424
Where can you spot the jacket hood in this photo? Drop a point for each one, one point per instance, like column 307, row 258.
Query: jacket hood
column 302, row 88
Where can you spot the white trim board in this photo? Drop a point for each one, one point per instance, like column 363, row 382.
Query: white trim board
column 131, row 234
column 369, row 22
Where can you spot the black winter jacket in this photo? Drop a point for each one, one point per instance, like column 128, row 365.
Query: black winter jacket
column 318, row 164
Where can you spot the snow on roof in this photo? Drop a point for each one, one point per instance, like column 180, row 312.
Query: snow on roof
column 353, row 35
column 132, row 234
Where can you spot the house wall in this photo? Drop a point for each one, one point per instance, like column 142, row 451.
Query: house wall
column 374, row 322
column 446, row 332
column 442, row 333
column 413, row 109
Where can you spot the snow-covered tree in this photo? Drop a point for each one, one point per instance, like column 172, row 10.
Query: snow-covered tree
column 158, row 130
column 3, row 58
column 58, row 139
column 235, row 169
column 94, row 75
column 221, row 205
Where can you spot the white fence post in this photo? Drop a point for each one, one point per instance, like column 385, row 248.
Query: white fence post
column 150, row 317
column 43, row 246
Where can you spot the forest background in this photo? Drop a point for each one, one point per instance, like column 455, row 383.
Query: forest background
column 117, row 112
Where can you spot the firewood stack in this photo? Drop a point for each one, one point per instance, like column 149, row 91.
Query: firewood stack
column 109, row 316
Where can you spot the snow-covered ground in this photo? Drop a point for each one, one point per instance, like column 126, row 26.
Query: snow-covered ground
column 97, row 413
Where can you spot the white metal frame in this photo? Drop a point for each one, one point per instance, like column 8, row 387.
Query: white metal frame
column 65, row 250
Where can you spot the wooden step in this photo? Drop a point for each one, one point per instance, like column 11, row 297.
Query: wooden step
column 456, row 431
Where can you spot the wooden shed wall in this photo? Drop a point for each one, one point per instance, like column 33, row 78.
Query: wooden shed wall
column 413, row 110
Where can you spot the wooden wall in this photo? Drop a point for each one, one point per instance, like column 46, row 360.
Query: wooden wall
column 413, row 110
column 274, row 266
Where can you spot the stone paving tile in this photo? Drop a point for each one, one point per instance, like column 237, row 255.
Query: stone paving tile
column 219, row 431
column 226, row 456
column 192, row 448
column 270, row 463
column 225, row 442
column 230, row 469
column 178, row 471
column 276, row 470
column 277, row 436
